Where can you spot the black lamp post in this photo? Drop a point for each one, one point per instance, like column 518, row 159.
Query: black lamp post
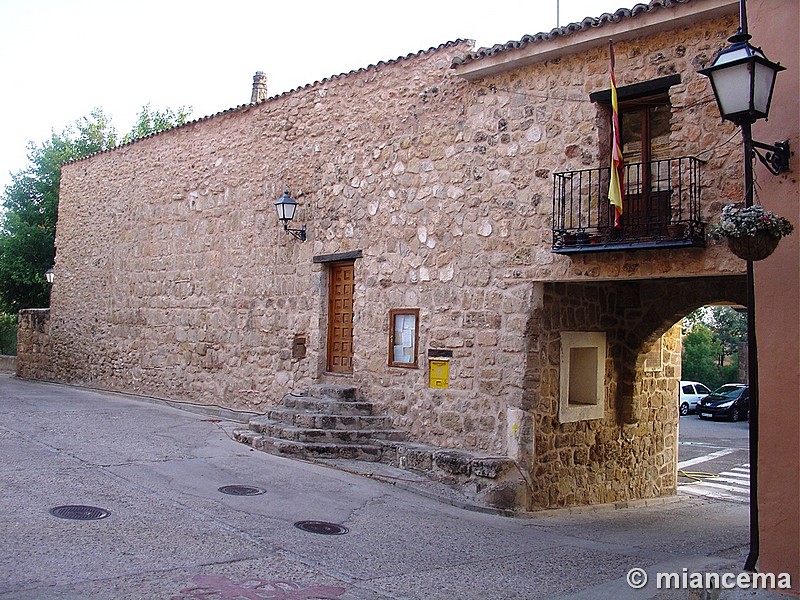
column 286, row 207
column 743, row 80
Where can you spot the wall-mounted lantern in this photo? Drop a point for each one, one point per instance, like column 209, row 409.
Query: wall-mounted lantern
column 743, row 79
column 49, row 275
column 286, row 207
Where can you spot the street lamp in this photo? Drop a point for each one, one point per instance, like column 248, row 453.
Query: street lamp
column 743, row 80
column 49, row 275
column 286, row 207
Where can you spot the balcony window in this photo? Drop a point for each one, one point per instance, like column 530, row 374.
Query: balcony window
column 661, row 204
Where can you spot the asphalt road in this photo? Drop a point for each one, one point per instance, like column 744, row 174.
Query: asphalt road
column 713, row 459
column 170, row 533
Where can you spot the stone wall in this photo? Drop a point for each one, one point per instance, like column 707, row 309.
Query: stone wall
column 35, row 356
column 174, row 279
column 602, row 460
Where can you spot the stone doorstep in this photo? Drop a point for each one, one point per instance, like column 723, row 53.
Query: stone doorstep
column 317, row 420
column 329, row 390
column 493, row 482
column 340, row 436
column 446, row 462
column 308, row 450
column 328, row 405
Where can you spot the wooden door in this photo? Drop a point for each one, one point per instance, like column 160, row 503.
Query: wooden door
column 645, row 125
column 340, row 318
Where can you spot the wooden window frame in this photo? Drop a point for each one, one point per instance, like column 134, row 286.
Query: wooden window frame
column 393, row 314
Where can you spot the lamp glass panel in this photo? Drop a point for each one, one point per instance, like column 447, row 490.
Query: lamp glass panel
column 285, row 209
column 763, row 80
column 732, row 85
column 732, row 54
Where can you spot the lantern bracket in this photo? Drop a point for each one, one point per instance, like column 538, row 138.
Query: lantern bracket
column 776, row 158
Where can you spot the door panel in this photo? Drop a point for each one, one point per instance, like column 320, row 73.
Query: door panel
column 340, row 318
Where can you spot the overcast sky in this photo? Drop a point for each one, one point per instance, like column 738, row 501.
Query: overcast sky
column 60, row 59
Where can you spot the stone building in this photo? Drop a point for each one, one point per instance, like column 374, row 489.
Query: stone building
column 461, row 268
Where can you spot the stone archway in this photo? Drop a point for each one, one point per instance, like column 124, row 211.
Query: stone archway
column 630, row 452
column 663, row 304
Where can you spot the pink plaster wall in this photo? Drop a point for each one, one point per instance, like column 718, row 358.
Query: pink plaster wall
column 774, row 26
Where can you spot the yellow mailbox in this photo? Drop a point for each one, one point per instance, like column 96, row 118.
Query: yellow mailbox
column 440, row 373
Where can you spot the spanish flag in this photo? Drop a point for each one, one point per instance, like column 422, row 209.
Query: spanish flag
column 615, row 184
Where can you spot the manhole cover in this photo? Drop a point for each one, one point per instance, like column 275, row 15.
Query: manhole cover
column 321, row 527
column 78, row 512
column 241, row 490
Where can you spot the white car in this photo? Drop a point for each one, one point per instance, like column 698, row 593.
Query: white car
column 690, row 393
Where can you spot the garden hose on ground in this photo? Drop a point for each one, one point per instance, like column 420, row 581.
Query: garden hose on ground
column 696, row 476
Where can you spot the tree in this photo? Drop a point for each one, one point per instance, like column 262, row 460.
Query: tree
column 700, row 356
column 152, row 121
column 714, row 333
column 730, row 329
column 27, row 228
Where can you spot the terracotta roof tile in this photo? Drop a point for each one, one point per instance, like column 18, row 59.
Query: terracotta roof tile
column 303, row 87
column 587, row 23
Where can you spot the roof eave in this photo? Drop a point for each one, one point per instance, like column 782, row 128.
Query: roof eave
column 572, row 42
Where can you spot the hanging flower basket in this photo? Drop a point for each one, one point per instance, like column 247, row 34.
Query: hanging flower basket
column 754, row 247
column 752, row 233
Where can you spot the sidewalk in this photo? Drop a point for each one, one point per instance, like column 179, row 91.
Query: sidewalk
column 172, row 534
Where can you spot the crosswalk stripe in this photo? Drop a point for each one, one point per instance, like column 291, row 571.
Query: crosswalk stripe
column 726, row 488
column 707, row 457
column 732, row 485
column 709, row 493
column 738, row 477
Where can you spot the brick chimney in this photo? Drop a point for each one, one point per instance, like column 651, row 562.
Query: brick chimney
column 259, row 87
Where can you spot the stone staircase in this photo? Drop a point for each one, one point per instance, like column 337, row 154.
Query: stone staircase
column 329, row 422
column 325, row 421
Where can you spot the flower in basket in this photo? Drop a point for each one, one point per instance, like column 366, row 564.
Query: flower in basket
column 738, row 222
column 752, row 233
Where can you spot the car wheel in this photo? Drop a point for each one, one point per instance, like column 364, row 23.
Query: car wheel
column 684, row 409
column 735, row 416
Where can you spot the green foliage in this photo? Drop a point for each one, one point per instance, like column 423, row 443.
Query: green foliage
column 8, row 334
column 700, row 352
column 30, row 202
column 714, row 335
column 27, row 230
column 152, row 121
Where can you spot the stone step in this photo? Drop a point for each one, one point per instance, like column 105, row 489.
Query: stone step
column 309, row 450
column 327, row 405
column 326, row 420
column 337, row 436
column 327, row 390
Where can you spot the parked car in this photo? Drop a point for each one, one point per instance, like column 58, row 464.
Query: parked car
column 690, row 394
column 731, row 401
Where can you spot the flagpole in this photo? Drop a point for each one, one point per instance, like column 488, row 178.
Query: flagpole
column 615, row 187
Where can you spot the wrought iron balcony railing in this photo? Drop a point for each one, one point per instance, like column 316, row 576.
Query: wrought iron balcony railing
column 661, row 208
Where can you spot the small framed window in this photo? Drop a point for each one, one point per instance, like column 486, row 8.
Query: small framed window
column 582, row 381
column 403, row 337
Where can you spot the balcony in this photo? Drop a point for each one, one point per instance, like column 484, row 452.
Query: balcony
column 661, row 208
